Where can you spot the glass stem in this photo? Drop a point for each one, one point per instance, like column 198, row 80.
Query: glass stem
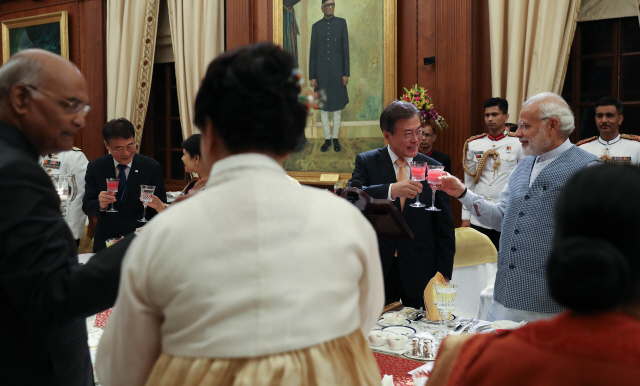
column 433, row 197
column 144, row 212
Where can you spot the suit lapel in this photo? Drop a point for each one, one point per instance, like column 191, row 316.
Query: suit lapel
column 387, row 171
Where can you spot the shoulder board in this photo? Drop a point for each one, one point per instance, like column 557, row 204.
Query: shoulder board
column 630, row 137
column 586, row 140
column 510, row 134
column 76, row 149
column 476, row 137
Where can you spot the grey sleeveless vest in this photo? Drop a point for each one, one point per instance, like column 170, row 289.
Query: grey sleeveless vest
column 528, row 227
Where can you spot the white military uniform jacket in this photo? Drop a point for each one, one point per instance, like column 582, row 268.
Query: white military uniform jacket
column 623, row 148
column 70, row 162
column 496, row 172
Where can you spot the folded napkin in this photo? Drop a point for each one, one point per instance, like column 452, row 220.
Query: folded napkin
column 429, row 295
column 506, row 325
column 387, row 380
column 421, row 374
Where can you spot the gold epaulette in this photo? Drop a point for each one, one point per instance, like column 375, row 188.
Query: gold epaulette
column 586, row 140
column 630, row 137
column 76, row 149
column 475, row 137
column 511, row 134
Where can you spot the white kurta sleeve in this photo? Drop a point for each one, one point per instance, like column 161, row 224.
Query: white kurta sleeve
column 371, row 285
column 131, row 342
column 487, row 213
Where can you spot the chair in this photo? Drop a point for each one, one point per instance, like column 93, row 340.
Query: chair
column 474, row 269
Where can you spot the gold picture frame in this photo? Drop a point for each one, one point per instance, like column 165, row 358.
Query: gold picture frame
column 389, row 81
column 47, row 31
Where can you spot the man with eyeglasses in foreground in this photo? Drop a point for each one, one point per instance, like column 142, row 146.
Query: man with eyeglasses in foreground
column 45, row 295
column 525, row 211
column 407, row 265
column 132, row 170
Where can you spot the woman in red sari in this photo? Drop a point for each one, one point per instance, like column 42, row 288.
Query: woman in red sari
column 593, row 270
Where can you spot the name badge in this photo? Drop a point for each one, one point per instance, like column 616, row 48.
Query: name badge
column 478, row 154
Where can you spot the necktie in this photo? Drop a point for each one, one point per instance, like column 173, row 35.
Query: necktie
column 401, row 176
column 122, row 176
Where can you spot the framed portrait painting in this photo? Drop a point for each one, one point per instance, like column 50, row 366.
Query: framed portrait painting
column 48, row 32
column 346, row 51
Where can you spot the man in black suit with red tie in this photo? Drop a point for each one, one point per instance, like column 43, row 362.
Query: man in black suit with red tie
column 407, row 265
column 132, row 170
column 45, row 295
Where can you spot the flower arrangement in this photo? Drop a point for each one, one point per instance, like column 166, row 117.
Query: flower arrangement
column 419, row 97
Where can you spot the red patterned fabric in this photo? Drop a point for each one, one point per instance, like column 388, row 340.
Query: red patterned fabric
column 567, row 350
column 398, row 367
column 101, row 318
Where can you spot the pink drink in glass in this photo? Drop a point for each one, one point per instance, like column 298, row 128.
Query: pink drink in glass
column 433, row 175
column 417, row 173
column 112, row 186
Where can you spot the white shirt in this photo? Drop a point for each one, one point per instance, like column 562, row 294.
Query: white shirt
column 251, row 266
column 621, row 150
column 70, row 162
column 490, row 213
column 117, row 169
column 396, row 168
column 492, row 180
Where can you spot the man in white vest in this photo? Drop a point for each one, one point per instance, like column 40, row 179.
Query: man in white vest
column 525, row 210
column 70, row 162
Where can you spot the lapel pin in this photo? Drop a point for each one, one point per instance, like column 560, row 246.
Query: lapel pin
column 136, row 170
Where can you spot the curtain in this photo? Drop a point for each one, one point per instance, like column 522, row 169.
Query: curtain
column 131, row 39
column 607, row 9
column 530, row 46
column 197, row 35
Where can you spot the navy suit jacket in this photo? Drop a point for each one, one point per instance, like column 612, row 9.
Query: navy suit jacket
column 144, row 171
column 433, row 244
column 45, row 295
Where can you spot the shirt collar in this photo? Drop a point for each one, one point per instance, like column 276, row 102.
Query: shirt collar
column 244, row 160
column 394, row 157
column 116, row 163
column 498, row 137
column 602, row 141
column 555, row 153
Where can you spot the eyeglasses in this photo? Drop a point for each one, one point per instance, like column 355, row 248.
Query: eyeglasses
column 128, row 148
column 418, row 134
column 427, row 135
column 332, row 5
column 72, row 106
column 525, row 126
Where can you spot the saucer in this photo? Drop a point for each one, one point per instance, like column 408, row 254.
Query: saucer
column 417, row 358
column 400, row 330
column 385, row 324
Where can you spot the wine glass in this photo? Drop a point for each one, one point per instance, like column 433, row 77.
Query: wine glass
column 145, row 196
column 433, row 177
column 417, row 174
column 112, row 187
column 65, row 185
column 446, row 295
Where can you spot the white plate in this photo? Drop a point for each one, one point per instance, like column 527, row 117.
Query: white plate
column 453, row 317
column 400, row 330
column 385, row 324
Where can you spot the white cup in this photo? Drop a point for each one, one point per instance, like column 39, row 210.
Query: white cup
column 377, row 338
column 396, row 342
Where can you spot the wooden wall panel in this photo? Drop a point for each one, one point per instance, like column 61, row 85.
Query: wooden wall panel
column 92, row 31
column 453, row 80
column 407, row 36
column 239, row 23
column 481, row 63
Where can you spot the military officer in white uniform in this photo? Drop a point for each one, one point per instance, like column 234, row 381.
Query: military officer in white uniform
column 70, row 162
column 488, row 161
column 611, row 146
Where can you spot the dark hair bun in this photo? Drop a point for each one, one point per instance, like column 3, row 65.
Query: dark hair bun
column 589, row 275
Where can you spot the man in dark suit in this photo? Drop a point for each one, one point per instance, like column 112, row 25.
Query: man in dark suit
column 45, row 295
column 407, row 265
column 329, row 68
column 132, row 170
column 426, row 147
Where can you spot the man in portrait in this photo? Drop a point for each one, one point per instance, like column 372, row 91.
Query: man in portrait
column 329, row 69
